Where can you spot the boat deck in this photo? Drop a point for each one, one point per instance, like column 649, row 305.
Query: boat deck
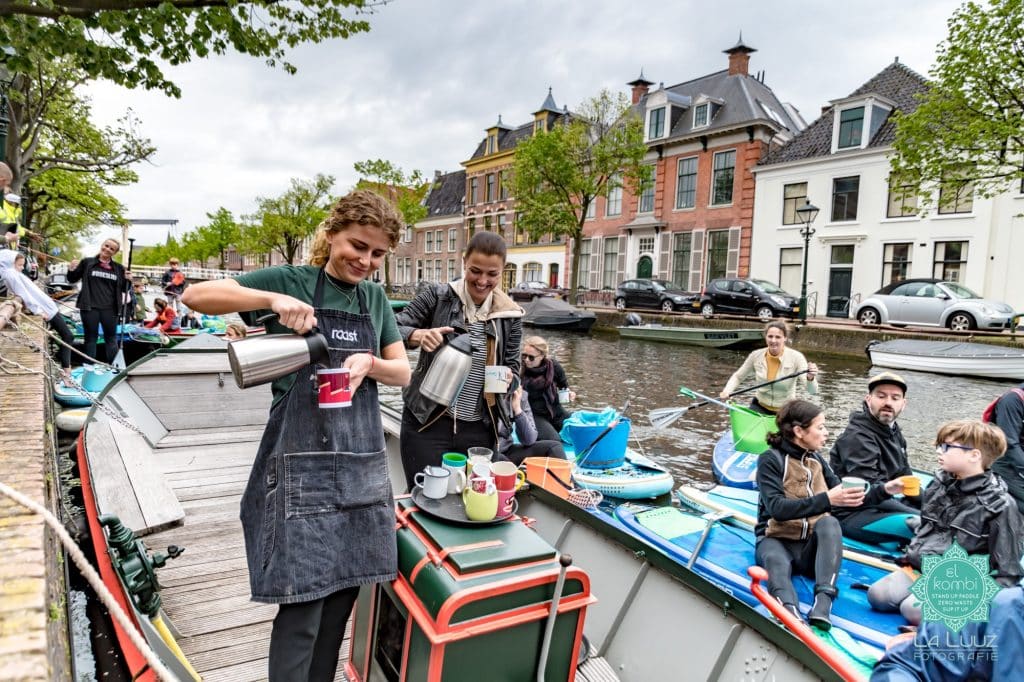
column 223, row 634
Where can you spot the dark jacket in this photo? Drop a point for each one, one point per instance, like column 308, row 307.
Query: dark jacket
column 87, row 297
column 439, row 305
column 541, row 401
column 977, row 513
column 793, row 486
column 523, row 426
column 873, row 451
column 1009, row 416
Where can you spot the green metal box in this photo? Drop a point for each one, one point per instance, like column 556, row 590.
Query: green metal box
column 470, row 603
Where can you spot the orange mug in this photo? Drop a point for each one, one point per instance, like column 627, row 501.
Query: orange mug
column 911, row 485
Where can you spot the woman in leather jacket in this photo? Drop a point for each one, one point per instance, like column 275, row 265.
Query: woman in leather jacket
column 473, row 305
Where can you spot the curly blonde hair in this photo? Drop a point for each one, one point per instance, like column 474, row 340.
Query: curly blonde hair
column 361, row 207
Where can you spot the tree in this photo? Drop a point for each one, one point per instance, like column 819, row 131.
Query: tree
column 283, row 223
column 969, row 126
column 126, row 41
column 405, row 191
column 67, row 206
column 214, row 238
column 559, row 173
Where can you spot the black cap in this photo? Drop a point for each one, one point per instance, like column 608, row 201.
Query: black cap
column 887, row 378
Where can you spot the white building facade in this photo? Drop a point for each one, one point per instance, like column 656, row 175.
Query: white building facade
column 868, row 233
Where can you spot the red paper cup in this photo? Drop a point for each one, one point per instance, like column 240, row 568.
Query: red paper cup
column 334, row 388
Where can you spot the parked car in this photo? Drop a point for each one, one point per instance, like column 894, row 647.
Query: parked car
column 932, row 303
column 652, row 293
column 739, row 296
column 531, row 291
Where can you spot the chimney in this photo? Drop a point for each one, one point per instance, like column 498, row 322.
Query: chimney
column 739, row 58
column 437, row 175
column 640, row 87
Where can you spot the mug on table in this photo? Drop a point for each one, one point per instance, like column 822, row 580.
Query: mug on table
column 480, row 506
column 456, row 463
column 434, row 481
column 507, row 476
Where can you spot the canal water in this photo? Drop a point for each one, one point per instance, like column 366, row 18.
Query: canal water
column 606, row 370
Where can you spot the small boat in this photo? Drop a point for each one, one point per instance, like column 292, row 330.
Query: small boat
column 174, row 470
column 91, row 378
column 695, row 336
column 557, row 314
column 949, row 357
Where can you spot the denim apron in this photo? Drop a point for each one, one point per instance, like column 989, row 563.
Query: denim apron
column 317, row 513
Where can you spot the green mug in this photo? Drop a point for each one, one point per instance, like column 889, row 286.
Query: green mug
column 480, row 506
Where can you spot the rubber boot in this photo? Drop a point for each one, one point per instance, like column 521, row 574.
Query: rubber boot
column 820, row 614
column 792, row 608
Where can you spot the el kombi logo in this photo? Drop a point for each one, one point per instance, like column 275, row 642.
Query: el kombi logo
column 955, row 588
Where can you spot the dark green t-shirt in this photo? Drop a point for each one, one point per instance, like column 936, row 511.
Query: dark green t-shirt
column 299, row 281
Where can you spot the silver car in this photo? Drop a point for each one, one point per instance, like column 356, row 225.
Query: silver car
column 932, row 303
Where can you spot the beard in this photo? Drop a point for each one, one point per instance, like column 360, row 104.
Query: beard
column 887, row 417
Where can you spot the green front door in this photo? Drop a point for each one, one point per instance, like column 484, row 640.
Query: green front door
column 644, row 267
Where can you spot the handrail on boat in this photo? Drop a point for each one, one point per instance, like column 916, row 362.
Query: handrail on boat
column 797, row 627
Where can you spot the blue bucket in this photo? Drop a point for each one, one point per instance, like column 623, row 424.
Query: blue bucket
column 609, row 453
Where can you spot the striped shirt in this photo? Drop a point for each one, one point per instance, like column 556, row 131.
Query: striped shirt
column 467, row 403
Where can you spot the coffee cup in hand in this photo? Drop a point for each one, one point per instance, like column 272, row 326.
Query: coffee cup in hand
column 855, row 483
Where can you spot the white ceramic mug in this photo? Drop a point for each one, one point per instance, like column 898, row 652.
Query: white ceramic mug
column 563, row 396
column 433, row 481
column 854, row 482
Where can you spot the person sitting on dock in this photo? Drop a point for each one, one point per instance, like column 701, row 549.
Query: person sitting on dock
column 967, row 504
column 795, row 531
column 873, row 448
column 777, row 360
column 1008, row 415
column 526, row 444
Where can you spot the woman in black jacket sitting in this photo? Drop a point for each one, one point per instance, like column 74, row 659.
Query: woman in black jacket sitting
column 544, row 380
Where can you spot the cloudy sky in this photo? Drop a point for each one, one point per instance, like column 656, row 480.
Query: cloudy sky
column 422, row 86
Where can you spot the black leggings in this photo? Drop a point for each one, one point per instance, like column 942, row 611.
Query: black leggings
column 306, row 637
column 541, row 448
column 547, row 429
column 422, row 446
column 885, row 522
column 92, row 320
column 58, row 325
column 818, row 556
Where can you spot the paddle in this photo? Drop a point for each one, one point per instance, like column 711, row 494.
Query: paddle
column 663, row 416
column 119, row 358
column 582, row 456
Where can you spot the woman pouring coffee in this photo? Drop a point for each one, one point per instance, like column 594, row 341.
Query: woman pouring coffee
column 493, row 321
column 317, row 512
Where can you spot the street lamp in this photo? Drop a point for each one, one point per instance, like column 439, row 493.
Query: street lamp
column 808, row 212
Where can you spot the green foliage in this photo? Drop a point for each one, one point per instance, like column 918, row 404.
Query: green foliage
column 67, row 206
column 128, row 41
column 973, row 114
column 559, row 173
column 282, row 223
column 213, row 239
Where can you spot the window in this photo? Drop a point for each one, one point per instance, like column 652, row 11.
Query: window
column 474, row 186
column 611, row 262
column 681, row 259
column 793, row 197
column 902, row 200
column 591, row 209
column 538, row 125
column 722, row 177
column 646, row 245
column 453, row 236
column 487, row 221
column 844, row 198
column 439, row 241
column 584, row 262
column 490, row 188
column 842, row 254
column 895, row 262
column 471, row 226
column 492, row 143
column 419, row 270
column 437, row 270
column 451, row 269
column 614, row 206
column 503, row 185
column 790, row 266
column 647, row 190
column 686, row 183
column 851, row 125
column 532, row 272
column 656, row 125
column 956, row 195
column 700, row 115
column 429, row 246
column 718, row 253
column 950, row 261
column 408, row 234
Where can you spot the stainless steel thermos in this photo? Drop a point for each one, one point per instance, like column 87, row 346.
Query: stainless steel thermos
column 260, row 359
column 448, row 371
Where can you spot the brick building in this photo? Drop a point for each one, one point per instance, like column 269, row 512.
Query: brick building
column 431, row 250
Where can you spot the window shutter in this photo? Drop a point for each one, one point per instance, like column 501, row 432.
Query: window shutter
column 664, row 263
column 732, row 260
column 697, row 261
column 620, row 266
column 595, row 263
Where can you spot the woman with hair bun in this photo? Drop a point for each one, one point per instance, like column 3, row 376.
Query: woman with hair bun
column 795, row 531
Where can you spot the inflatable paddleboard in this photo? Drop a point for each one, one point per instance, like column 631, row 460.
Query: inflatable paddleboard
column 729, row 551
column 90, row 377
column 733, row 467
column 636, row 478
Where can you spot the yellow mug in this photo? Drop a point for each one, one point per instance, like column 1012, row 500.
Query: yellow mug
column 480, row 506
column 911, row 485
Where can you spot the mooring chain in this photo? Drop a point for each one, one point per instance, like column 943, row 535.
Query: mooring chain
column 102, row 407
column 55, row 337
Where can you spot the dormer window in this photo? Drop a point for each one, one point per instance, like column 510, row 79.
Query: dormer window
column 851, row 125
column 538, row 126
column 700, row 115
column 656, row 123
column 492, row 142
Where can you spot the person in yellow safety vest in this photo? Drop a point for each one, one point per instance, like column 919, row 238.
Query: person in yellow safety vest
column 10, row 216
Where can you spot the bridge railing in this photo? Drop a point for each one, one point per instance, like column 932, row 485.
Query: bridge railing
column 155, row 272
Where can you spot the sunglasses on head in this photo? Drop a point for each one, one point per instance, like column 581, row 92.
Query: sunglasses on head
column 531, row 358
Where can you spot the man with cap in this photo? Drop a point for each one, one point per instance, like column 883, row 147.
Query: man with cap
column 873, row 448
